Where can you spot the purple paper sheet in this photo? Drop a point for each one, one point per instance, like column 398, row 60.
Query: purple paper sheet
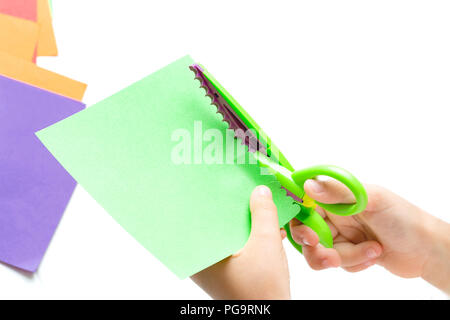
column 34, row 188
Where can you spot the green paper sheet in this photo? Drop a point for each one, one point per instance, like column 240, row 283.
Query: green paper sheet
column 189, row 216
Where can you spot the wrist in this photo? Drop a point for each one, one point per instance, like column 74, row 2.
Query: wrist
column 436, row 270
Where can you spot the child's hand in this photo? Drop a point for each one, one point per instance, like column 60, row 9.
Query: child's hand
column 259, row 270
column 391, row 232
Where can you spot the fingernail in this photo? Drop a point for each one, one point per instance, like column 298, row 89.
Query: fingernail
column 306, row 242
column 264, row 191
column 371, row 253
column 315, row 186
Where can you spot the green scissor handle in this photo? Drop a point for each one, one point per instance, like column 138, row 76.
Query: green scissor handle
column 310, row 217
column 344, row 177
column 279, row 166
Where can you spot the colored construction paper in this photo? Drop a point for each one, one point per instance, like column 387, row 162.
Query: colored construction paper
column 28, row 72
column 47, row 42
column 34, row 188
column 36, row 11
column 189, row 216
column 18, row 37
column 25, row 9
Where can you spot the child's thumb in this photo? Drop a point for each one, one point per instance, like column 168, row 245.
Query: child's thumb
column 329, row 191
column 264, row 214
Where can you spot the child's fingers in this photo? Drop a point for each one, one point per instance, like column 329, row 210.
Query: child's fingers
column 329, row 191
column 360, row 267
column 264, row 214
column 357, row 254
column 303, row 234
column 283, row 234
column 294, row 223
column 333, row 191
column 320, row 258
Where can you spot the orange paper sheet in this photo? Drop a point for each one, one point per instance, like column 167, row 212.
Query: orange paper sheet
column 28, row 72
column 47, row 41
column 35, row 11
column 18, row 37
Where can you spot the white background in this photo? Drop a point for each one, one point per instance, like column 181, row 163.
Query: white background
column 360, row 84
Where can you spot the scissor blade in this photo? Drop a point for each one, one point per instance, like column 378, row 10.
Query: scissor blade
column 282, row 174
column 248, row 131
column 235, row 123
column 238, row 119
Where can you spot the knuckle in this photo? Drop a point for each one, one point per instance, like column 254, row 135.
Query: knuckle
column 263, row 232
column 263, row 238
column 376, row 195
column 314, row 262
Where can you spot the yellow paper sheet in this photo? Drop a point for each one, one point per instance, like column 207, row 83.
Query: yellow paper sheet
column 18, row 37
column 28, row 72
column 47, row 41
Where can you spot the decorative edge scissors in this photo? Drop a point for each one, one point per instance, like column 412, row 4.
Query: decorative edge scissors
column 270, row 157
